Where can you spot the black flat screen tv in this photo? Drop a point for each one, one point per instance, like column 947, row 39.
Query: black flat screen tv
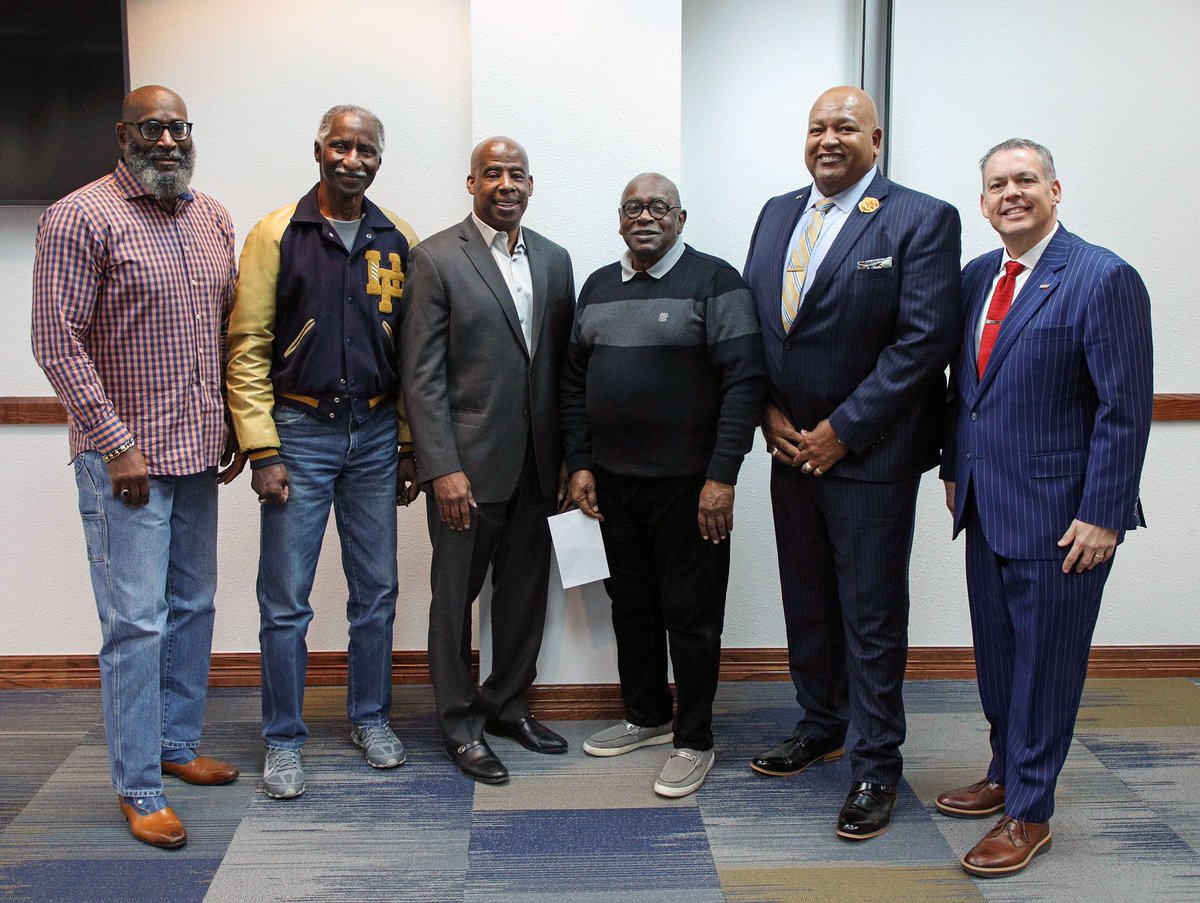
column 63, row 74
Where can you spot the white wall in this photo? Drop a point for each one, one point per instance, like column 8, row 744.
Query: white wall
column 713, row 93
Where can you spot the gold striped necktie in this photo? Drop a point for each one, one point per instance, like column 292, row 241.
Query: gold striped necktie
column 797, row 269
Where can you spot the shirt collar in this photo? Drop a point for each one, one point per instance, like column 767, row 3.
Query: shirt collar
column 844, row 200
column 132, row 186
column 660, row 268
column 1031, row 257
column 489, row 235
column 308, row 210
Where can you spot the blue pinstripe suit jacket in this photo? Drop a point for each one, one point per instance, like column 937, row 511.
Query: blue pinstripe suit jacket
column 869, row 347
column 1057, row 428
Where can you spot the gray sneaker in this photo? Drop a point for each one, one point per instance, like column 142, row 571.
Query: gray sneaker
column 283, row 775
column 625, row 736
column 383, row 748
column 684, row 772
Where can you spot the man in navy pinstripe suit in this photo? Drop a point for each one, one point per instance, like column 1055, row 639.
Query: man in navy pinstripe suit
column 855, row 280
column 1048, row 424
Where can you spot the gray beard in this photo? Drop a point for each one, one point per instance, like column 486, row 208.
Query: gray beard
column 165, row 186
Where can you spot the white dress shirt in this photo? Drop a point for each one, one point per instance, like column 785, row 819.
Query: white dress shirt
column 843, row 204
column 514, row 268
column 661, row 267
column 1029, row 260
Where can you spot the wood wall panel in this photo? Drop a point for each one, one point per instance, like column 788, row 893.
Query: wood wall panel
column 17, row 409
column 593, row 701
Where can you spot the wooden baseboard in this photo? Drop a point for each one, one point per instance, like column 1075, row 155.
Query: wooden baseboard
column 579, row 701
column 42, row 409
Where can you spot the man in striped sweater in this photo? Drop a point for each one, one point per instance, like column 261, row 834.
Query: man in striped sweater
column 661, row 392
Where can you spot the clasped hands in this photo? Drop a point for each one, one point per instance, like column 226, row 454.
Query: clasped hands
column 814, row 451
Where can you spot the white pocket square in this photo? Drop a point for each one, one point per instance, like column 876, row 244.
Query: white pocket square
column 879, row 263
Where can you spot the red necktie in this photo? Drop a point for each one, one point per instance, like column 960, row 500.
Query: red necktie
column 1002, row 299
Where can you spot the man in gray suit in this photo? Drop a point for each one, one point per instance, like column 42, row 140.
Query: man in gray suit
column 487, row 318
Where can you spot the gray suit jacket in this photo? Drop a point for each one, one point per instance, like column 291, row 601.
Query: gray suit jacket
column 474, row 394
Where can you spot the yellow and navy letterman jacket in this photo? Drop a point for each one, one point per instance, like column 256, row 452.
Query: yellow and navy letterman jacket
column 314, row 323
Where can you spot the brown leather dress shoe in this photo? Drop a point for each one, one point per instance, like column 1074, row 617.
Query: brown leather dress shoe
column 975, row 801
column 203, row 771
column 159, row 829
column 1007, row 848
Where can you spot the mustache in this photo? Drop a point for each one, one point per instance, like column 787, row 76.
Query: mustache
column 352, row 173
column 175, row 155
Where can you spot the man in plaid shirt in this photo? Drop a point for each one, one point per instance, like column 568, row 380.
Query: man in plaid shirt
column 132, row 286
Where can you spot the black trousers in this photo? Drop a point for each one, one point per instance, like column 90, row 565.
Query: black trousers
column 667, row 583
column 514, row 539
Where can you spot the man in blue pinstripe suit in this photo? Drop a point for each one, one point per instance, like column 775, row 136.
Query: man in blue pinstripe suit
column 855, row 280
column 1048, row 424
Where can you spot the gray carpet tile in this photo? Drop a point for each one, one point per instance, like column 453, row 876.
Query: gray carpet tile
column 578, row 829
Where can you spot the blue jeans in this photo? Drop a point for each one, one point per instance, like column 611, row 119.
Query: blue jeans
column 352, row 466
column 154, row 573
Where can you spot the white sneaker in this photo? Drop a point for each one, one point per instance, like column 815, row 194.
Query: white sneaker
column 625, row 736
column 684, row 772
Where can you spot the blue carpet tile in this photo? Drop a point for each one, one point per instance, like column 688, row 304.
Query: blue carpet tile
column 577, row 829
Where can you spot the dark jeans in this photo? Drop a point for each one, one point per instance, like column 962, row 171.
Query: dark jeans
column 667, row 583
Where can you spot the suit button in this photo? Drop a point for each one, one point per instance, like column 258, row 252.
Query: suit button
column 526, row 412
column 970, row 455
column 974, row 415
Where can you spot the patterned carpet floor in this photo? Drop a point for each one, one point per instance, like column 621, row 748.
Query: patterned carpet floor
column 577, row 829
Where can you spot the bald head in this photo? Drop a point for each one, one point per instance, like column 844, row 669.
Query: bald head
column 141, row 102
column 652, row 183
column 848, row 97
column 501, row 184
column 843, row 138
column 497, row 144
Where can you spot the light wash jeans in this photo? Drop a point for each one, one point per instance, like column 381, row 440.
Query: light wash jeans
column 154, row 573
column 351, row 466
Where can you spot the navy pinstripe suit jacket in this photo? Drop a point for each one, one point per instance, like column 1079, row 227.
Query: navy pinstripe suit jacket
column 1057, row 428
column 869, row 347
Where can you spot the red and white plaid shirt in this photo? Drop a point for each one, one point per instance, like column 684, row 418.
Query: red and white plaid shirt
column 130, row 308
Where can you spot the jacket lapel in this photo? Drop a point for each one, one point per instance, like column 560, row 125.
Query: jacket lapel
column 853, row 228
column 978, row 295
column 1042, row 281
column 537, row 269
column 481, row 258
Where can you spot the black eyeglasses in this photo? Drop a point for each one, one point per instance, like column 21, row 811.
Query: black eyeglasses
column 152, row 129
column 658, row 209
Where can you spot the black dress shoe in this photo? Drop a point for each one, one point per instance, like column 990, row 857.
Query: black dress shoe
column 529, row 732
column 867, row 811
column 477, row 761
column 794, row 755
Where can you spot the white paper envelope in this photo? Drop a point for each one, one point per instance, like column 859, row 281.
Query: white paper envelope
column 578, row 547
